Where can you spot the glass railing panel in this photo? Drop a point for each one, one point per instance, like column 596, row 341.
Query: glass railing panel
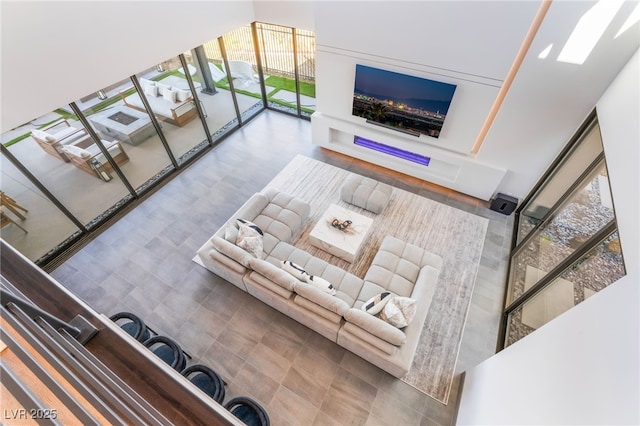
column 583, row 214
column 118, row 116
column 586, row 151
column 29, row 221
column 59, row 152
column 168, row 92
column 600, row 267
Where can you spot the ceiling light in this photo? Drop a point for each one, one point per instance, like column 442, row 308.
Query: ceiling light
column 545, row 52
column 588, row 31
column 631, row 20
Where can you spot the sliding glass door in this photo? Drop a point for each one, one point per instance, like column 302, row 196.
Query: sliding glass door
column 288, row 62
column 124, row 128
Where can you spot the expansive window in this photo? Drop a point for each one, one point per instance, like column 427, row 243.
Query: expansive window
column 566, row 245
column 288, row 62
column 117, row 116
column 169, row 97
column 59, row 151
column 68, row 171
column 238, row 47
column 30, row 221
column 218, row 100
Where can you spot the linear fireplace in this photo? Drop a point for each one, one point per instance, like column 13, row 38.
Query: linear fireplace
column 392, row 150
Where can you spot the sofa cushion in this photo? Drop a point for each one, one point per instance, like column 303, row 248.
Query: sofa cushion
column 162, row 88
column 366, row 193
column 375, row 326
column 182, row 95
column 320, row 283
column 374, row 305
column 151, row 90
column 40, row 134
column 232, row 251
column 399, row 311
column 250, row 238
column 169, row 95
column 283, row 216
column 273, row 273
column 295, row 270
column 319, row 297
column 347, row 285
column 395, row 268
column 76, row 151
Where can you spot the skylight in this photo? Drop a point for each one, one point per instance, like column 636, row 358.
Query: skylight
column 545, row 52
column 588, row 31
column 631, row 20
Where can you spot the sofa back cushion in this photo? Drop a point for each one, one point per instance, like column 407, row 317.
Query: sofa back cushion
column 375, row 326
column 283, row 216
column 273, row 273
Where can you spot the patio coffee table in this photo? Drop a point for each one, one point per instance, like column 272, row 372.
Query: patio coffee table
column 345, row 245
column 123, row 123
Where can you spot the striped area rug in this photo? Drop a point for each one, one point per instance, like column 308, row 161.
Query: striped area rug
column 453, row 234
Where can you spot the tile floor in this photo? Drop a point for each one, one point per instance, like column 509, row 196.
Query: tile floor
column 142, row 264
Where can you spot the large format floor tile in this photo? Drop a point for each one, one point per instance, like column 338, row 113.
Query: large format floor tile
column 142, row 264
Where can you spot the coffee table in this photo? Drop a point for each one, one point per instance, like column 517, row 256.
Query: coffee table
column 345, row 245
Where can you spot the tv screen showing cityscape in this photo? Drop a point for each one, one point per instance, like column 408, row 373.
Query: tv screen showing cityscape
column 403, row 102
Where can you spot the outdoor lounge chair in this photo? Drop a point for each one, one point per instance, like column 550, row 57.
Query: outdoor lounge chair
column 55, row 136
column 243, row 71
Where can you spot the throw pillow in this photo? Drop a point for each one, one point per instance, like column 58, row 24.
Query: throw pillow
column 399, row 311
column 169, row 95
column 151, row 90
column 162, row 88
column 250, row 238
column 321, row 283
column 249, row 224
column 231, row 233
column 181, row 94
column 77, row 151
column 296, row 270
column 374, row 305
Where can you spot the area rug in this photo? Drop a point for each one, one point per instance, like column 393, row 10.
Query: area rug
column 455, row 235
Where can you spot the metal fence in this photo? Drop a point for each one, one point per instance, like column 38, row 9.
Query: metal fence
column 276, row 49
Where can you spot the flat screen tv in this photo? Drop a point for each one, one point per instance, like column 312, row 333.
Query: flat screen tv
column 401, row 102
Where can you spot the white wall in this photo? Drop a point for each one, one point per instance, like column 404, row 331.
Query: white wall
column 289, row 13
column 469, row 44
column 56, row 52
column 619, row 116
column 584, row 366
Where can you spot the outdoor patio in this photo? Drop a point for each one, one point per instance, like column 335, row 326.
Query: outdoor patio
column 84, row 195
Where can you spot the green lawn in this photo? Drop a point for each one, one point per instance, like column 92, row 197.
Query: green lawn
column 307, row 89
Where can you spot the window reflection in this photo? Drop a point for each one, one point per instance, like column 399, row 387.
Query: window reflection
column 585, row 212
column 30, row 222
column 215, row 97
column 244, row 71
column 602, row 266
column 584, row 153
column 128, row 134
column 169, row 95
column 60, row 153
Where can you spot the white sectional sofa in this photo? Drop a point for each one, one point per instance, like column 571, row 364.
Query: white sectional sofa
column 398, row 267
